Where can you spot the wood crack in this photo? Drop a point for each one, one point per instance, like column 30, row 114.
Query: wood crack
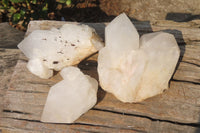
column 150, row 118
column 191, row 63
column 195, row 41
column 191, row 82
column 37, row 121
column 24, row 60
column 13, row 111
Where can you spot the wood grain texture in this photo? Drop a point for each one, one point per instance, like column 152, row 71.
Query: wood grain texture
column 8, row 60
column 9, row 37
column 176, row 110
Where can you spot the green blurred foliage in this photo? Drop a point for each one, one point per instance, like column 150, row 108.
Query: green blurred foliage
column 20, row 12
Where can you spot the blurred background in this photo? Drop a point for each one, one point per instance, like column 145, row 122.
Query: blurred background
column 19, row 12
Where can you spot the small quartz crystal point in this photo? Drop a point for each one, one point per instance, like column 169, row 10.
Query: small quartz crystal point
column 135, row 69
column 55, row 49
column 71, row 97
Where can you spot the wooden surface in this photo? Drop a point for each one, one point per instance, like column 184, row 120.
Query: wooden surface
column 23, row 95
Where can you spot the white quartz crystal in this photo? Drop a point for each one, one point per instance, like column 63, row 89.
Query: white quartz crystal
column 57, row 48
column 71, row 97
column 134, row 69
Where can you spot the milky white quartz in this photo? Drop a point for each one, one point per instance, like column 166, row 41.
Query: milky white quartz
column 134, row 69
column 55, row 49
column 70, row 98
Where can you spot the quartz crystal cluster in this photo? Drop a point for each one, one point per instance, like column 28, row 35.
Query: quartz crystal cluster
column 131, row 68
column 134, row 68
column 71, row 97
column 55, row 49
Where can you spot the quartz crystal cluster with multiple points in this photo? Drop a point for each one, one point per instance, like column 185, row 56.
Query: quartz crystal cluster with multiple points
column 134, row 68
column 55, row 49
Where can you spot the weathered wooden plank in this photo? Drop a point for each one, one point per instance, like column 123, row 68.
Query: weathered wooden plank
column 176, row 110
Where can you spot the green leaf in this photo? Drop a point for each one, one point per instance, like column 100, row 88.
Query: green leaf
column 34, row 1
column 68, row 2
column 22, row 12
column 45, row 8
column 17, row 1
column 16, row 17
column 62, row 1
column 12, row 10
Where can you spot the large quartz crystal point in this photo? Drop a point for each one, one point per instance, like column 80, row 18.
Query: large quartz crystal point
column 71, row 97
column 162, row 54
column 142, row 69
column 120, row 29
column 57, row 48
